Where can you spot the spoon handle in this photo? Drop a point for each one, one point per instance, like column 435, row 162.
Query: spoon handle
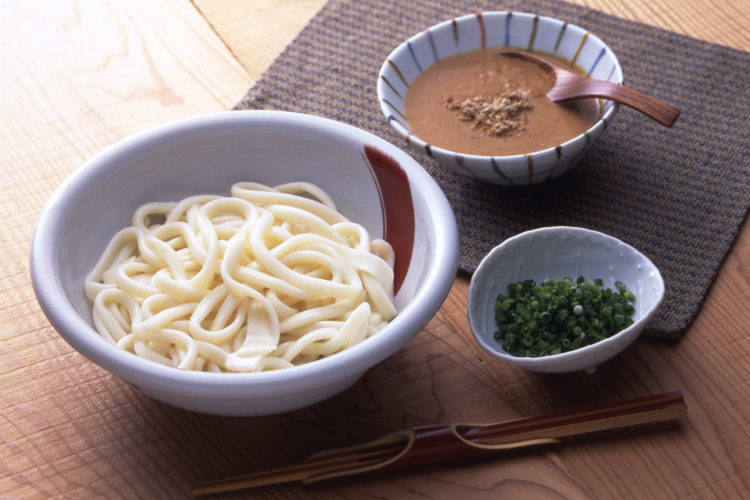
column 654, row 108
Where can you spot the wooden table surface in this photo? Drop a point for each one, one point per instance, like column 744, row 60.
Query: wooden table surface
column 76, row 76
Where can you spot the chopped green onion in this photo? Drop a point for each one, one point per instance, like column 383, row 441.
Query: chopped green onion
column 560, row 315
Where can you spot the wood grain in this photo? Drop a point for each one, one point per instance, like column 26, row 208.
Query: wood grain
column 256, row 35
column 79, row 75
column 717, row 21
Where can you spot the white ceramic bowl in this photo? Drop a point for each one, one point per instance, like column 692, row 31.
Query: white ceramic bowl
column 498, row 29
column 554, row 253
column 372, row 182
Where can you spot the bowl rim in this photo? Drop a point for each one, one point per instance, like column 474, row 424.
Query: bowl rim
column 577, row 354
column 599, row 126
column 356, row 359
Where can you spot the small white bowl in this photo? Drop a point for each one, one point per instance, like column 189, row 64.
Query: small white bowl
column 498, row 29
column 554, row 253
column 372, row 182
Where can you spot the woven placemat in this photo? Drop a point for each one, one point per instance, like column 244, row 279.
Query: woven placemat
column 679, row 195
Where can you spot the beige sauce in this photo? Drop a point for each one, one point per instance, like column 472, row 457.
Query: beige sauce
column 485, row 77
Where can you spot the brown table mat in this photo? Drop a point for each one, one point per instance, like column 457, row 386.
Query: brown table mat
column 679, row 195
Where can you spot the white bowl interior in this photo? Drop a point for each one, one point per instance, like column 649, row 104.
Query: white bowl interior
column 498, row 29
column 559, row 252
column 186, row 160
column 207, row 155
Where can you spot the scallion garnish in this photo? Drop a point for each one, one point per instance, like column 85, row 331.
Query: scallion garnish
column 560, row 315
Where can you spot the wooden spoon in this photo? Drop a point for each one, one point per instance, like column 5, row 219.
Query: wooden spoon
column 571, row 85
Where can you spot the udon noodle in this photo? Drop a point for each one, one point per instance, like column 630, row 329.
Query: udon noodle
column 264, row 279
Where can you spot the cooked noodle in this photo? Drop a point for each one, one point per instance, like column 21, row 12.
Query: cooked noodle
column 267, row 278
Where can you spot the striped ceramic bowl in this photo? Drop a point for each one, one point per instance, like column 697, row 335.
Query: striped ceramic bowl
column 498, row 29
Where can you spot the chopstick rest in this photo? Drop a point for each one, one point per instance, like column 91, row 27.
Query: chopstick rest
column 438, row 443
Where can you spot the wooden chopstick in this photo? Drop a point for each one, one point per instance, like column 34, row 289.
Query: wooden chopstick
column 604, row 417
column 609, row 416
column 291, row 473
column 297, row 472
